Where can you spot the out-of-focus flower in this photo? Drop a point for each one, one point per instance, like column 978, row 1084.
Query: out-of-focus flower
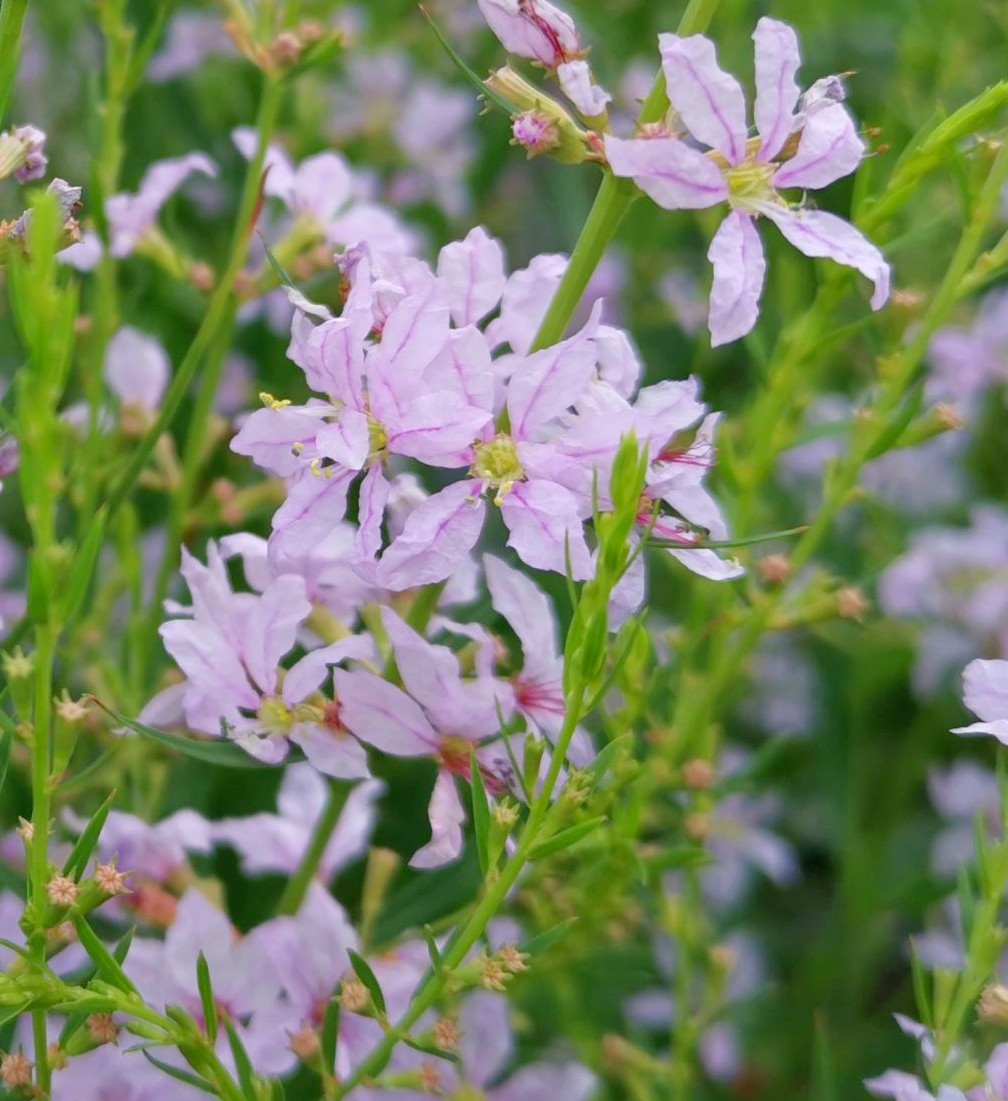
column 132, row 214
column 276, row 843
column 137, row 369
column 22, row 154
column 191, row 38
column 799, row 146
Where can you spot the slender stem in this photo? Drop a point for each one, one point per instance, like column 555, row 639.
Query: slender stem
column 297, row 886
column 496, row 891
column 612, row 201
column 12, row 17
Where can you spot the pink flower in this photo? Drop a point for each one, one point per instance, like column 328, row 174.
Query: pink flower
column 137, row 368
column 131, row 215
column 799, row 145
column 443, row 716
column 231, row 649
column 534, row 29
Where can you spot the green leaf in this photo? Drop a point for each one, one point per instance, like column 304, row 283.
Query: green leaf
column 243, row 1064
column 5, row 754
column 330, row 1033
column 363, row 971
column 565, row 838
column 463, row 68
column 604, row 759
column 108, row 966
column 429, row 1048
column 432, row 949
column 205, row 987
column 220, row 752
column 481, row 813
column 83, row 850
column 924, row 1014
column 178, row 1074
column 542, row 943
column 83, row 566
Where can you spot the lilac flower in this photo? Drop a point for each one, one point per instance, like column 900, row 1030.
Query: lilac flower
column 985, row 692
column 800, row 145
column 326, row 190
column 110, row 1071
column 953, row 581
column 230, row 650
column 22, row 154
column 132, row 215
column 443, row 716
column 191, row 38
column 276, row 843
column 245, row 983
column 967, row 361
column 137, row 369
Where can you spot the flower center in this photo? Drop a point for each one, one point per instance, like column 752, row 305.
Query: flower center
column 498, row 465
column 467, row 1092
column 377, row 437
column 275, row 716
column 749, row 185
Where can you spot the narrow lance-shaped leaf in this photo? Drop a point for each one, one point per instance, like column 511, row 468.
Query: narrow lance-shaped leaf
column 565, row 838
column 363, row 971
column 222, row 752
column 108, row 966
column 84, row 848
column 329, row 1037
column 178, row 1074
column 481, row 814
column 243, row 1064
column 205, row 986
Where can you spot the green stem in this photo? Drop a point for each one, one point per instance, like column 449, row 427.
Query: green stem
column 12, row 17
column 612, row 201
column 297, row 886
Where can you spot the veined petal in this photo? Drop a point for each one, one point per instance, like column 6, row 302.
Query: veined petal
column 271, row 628
column 383, row 716
column 526, row 607
column 777, row 91
column 310, row 672
column 829, row 149
column 438, row 429
column 346, row 440
column 668, row 170
column 736, row 254
column 825, row 236
column 543, row 521
column 314, row 505
column 374, row 494
column 436, row 538
column 710, row 102
column 333, row 752
column 473, row 271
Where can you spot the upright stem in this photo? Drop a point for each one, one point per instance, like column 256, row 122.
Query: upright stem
column 297, row 886
column 12, row 17
column 611, row 202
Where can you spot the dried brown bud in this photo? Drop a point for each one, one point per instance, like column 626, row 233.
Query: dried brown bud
column 102, row 1028
column 852, row 603
column 15, row 1070
column 354, row 996
column 305, row 1044
column 992, row 1008
column 111, row 880
column 62, row 890
column 201, row 276
column 697, row 826
column 513, row 959
column 447, row 1034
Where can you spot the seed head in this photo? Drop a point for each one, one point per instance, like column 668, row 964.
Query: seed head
column 111, row 880
column 513, row 959
column 15, row 1070
column 305, row 1044
column 102, row 1028
column 447, row 1034
column 354, row 996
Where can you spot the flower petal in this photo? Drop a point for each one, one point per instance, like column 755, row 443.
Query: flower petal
column 985, row 689
column 446, row 818
column 332, row 752
column 473, row 273
column 825, row 236
column 346, row 440
column 736, row 253
column 383, row 716
column 709, row 101
column 542, row 518
column 136, row 368
column 436, row 539
column 777, row 91
column 315, row 504
column 672, row 173
column 579, row 87
column 829, row 149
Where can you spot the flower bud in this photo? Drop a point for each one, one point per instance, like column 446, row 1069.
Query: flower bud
column 992, row 1008
column 535, row 132
column 568, row 140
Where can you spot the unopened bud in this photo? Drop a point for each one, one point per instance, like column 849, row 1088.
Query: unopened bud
column 17, row 665
column 493, row 974
column 305, row 1044
column 698, row 775
column 852, row 604
column 354, row 996
column 568, row 140
column 70, row 710
column 775, row 569
column 447, row 1034
column 513, row 959
column 535, row 132
column 111, row 880
column 201, row 275
column 15, row 1070
column 102, row 1028
column 993, row 1005
column 62, row 890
